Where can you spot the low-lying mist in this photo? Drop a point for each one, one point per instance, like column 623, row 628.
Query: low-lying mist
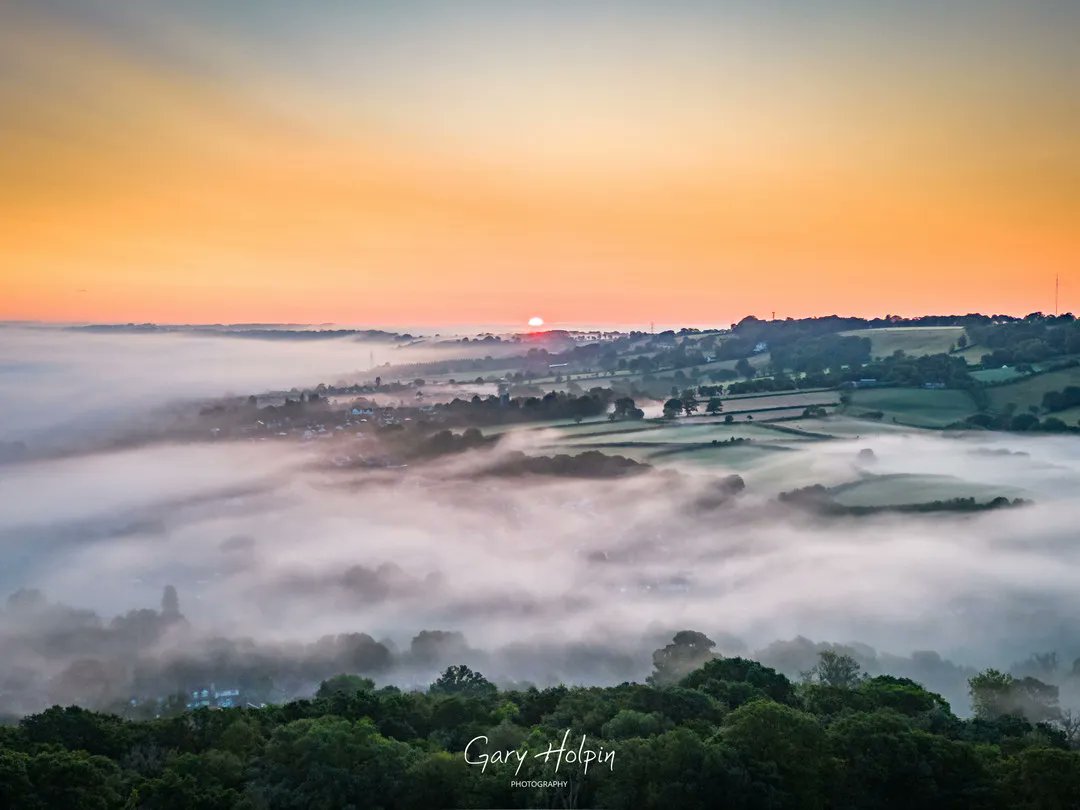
column 290, row 567
column 282, row 561
column 59, row 385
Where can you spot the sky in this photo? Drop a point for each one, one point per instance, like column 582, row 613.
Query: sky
column 421, row 163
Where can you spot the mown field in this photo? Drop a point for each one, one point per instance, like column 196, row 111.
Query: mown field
column 920, row 407
column 910, row 339
column 1030, row 390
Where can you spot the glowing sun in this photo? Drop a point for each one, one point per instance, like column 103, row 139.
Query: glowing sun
column 536, row 320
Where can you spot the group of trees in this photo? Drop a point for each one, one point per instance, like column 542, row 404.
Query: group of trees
column 705, row 731
column 820, row 354
column 1032, row 339
column 589, row 464
column 913, row 371
column 552, row 405
column 1015, row 422
column 625, row 408
column 1069, row 397
column 685, row 402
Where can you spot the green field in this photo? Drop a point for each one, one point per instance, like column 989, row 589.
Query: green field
column 676, row 433
column 596, row 424
column 893, row 490
column 996, row 375
column 920, row 407
column 692, row 431
column 910, row 339
column 589, row 428
column 1070, row 416
column 743, row 458
column 973, row 354
column 663, row 376
column 1029, row 391
column 844, row 426
column 793, row 399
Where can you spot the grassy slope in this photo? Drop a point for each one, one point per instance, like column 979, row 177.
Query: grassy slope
column 1030, row 390
column 995, row 375
column 1070, row 416
column 911, row 339
column 915, row 406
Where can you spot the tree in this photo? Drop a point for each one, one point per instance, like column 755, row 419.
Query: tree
column 439, row 780
column 687, row 651
column 347, row 685
column 672, row 408
column 678, row 769
column 1040, row 778
column 1069, row 722
column 16, row 789
column 460, row 680
column 836, row 670
column 625, row 408
column 736, row 681
column 331, row 762
column 76, row 728
column 743, row 367
column 1023, row 421
column 900, row 695
column 208, row 781
column 170, row 605
column 689, row 402
column 784, row 746
column 888, row 763
column 630, row 723
column 74, row 780
column 989, row 692
column 995, row 693
column 714, row 406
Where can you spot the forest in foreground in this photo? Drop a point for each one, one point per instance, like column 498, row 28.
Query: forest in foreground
column 729, row 733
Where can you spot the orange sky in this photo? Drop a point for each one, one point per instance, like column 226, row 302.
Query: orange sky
column 487, row 165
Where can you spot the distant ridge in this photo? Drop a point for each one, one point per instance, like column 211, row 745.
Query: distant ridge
column 252, row 331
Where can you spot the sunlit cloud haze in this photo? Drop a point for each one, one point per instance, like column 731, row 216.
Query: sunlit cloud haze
column 482, row 161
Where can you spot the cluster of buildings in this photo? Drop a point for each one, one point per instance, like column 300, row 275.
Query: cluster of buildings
column 213, row 698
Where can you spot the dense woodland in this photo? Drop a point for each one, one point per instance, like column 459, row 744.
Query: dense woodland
column 703, row 732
